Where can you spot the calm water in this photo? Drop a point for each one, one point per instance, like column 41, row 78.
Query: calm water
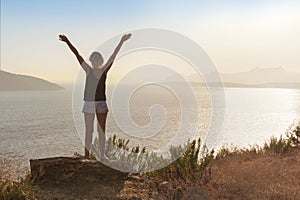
column 40, row 124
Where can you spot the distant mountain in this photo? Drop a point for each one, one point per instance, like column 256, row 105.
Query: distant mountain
column 10, row 81
column 239, row 85
column 256, row 77
column 263, row 76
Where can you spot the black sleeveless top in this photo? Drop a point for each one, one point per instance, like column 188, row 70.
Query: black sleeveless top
column 95, row 88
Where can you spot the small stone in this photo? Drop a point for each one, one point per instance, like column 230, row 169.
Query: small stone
column 134, row 178
column 165, row 185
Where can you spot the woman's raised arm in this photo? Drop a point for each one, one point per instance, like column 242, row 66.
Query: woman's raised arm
column 81, row 61
column 111, row 59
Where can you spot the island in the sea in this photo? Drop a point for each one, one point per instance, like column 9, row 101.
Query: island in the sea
column 15, row 82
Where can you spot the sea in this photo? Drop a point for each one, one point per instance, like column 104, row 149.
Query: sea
column 39, row 124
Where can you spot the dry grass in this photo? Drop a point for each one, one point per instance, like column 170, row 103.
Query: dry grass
column 268, row 172
column 256, row 176
column 11, row 186
column 6, row 169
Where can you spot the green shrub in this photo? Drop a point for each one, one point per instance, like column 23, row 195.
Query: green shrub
column 188, row 158
column 276, row 145
column 192, row 160
column 294, row 136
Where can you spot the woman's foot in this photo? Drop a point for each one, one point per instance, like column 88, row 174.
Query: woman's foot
column 86, row 154
column 79, row 156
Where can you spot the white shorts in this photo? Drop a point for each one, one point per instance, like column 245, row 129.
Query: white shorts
column 93, row 106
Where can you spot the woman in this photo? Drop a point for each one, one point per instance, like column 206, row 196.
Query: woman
column 94, row 93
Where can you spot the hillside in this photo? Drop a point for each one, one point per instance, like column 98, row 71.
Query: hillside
column 13, row 82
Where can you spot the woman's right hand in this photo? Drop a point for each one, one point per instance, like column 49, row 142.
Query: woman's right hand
column 63, row 38
column 126, row 37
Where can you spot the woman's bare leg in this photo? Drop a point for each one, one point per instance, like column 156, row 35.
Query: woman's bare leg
column 89, row 129
column 101, row 132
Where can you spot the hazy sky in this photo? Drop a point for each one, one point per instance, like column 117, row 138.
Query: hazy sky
column 238, row 35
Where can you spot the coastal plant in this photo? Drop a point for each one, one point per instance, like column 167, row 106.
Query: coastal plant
column 193, row 163
column 294, row 135
column 277, row 145
column 22, row 189
column 188, row 158
column 282, row 144
column 118, row 149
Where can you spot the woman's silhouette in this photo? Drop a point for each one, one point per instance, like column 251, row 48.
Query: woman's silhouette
column 94, row 92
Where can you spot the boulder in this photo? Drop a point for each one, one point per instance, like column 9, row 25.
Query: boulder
column 72, row 169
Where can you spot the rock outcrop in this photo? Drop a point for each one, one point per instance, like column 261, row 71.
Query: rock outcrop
column 75, row 178
column 65, row 169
